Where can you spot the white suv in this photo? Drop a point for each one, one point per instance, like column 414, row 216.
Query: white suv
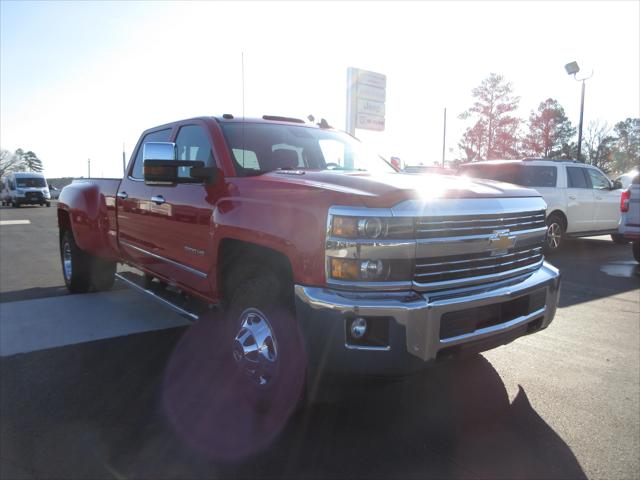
column 581, row 200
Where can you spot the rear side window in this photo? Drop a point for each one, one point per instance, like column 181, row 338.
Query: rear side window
column 538, row 176
column 525, row 175
column 159, row 136
column 576, row 178
column 504, row 172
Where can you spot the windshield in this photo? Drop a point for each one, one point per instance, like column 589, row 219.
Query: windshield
column 30, row 182
column 260, row 148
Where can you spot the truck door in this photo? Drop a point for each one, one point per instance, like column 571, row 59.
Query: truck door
column 580, row 200
column 182, row 215
column 137, row 233
column 607, row 201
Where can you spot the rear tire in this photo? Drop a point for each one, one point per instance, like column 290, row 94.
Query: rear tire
column 555, row 233
column 82, row 271
column 619, row 239
column 75, row 265
column 636, row 250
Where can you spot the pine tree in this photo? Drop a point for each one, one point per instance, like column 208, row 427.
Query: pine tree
column 550, row 131
column 495, row 131
column 31, row 162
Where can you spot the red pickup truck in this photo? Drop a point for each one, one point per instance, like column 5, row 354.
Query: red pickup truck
column 321, row 254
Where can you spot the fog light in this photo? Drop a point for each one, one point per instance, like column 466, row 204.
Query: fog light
column 358, row 328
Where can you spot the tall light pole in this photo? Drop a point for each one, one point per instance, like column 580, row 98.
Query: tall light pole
column 573, row 69
column 444, row 135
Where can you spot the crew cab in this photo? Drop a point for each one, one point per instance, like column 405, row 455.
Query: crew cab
column 320, row 256
column 581, row 200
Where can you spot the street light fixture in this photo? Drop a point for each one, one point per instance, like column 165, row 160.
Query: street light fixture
column 572, row 69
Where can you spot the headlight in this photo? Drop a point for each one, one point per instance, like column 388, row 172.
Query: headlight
column 359, row 270
column 19, row 191
column 371, row 227
column 369, row 246
column 369, row 270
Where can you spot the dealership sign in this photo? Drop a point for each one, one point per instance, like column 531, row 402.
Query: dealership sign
column 366, row 96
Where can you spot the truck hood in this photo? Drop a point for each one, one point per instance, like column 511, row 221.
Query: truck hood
column 386, row 190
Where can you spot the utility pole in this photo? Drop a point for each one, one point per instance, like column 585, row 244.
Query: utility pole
column 89, row 167
column 444, row 135
column 580, row 125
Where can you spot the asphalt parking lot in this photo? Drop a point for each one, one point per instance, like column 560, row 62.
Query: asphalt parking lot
column 83, row 388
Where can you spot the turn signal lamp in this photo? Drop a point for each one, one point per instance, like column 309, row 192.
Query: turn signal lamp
column 346, row 227
column 345, row 269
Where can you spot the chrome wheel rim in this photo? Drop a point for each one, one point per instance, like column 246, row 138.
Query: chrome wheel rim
column 66, row 261
column 255, row 349
column 554, row 235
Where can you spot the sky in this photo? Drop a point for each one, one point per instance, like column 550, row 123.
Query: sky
column 79, row 80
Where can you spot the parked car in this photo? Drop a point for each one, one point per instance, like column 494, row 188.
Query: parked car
column 321, row 254
column 429, row 169
column 54, row 192
column 626, row 178
column 5, row 197
column 630, row 218
column 581, row 200
column 26, row 188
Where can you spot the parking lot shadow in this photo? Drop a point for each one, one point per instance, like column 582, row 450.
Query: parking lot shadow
column 594, row 268
column 452, row 421
column 95, row 410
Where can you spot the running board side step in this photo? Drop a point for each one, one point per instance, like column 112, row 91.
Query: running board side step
column 189, row 308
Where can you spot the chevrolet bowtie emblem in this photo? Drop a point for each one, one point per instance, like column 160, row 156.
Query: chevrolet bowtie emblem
column 501, row 240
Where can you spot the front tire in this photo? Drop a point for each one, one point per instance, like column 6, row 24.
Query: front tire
column 265, row 344
column 555, row 233
column 636, row 250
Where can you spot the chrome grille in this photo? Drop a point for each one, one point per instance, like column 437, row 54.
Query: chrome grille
column 457, row 267
column 468, row 225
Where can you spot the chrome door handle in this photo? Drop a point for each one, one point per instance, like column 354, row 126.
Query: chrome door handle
column 598, row 198
column 158, row 199
column 122, row 195
column 572, row 197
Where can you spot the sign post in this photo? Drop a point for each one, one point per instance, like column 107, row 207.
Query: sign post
column 366, row 96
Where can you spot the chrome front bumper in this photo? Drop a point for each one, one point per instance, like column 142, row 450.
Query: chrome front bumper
column 415, row 321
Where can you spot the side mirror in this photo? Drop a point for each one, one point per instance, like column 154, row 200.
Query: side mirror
column 161, row 167
column 617, row 185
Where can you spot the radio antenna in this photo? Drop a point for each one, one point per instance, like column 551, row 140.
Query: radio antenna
column 242, row 60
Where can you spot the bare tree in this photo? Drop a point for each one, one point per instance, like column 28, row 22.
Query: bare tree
column 9, row 162
column 599, row 143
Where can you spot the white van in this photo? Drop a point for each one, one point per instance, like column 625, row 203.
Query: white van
column 25, row 188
